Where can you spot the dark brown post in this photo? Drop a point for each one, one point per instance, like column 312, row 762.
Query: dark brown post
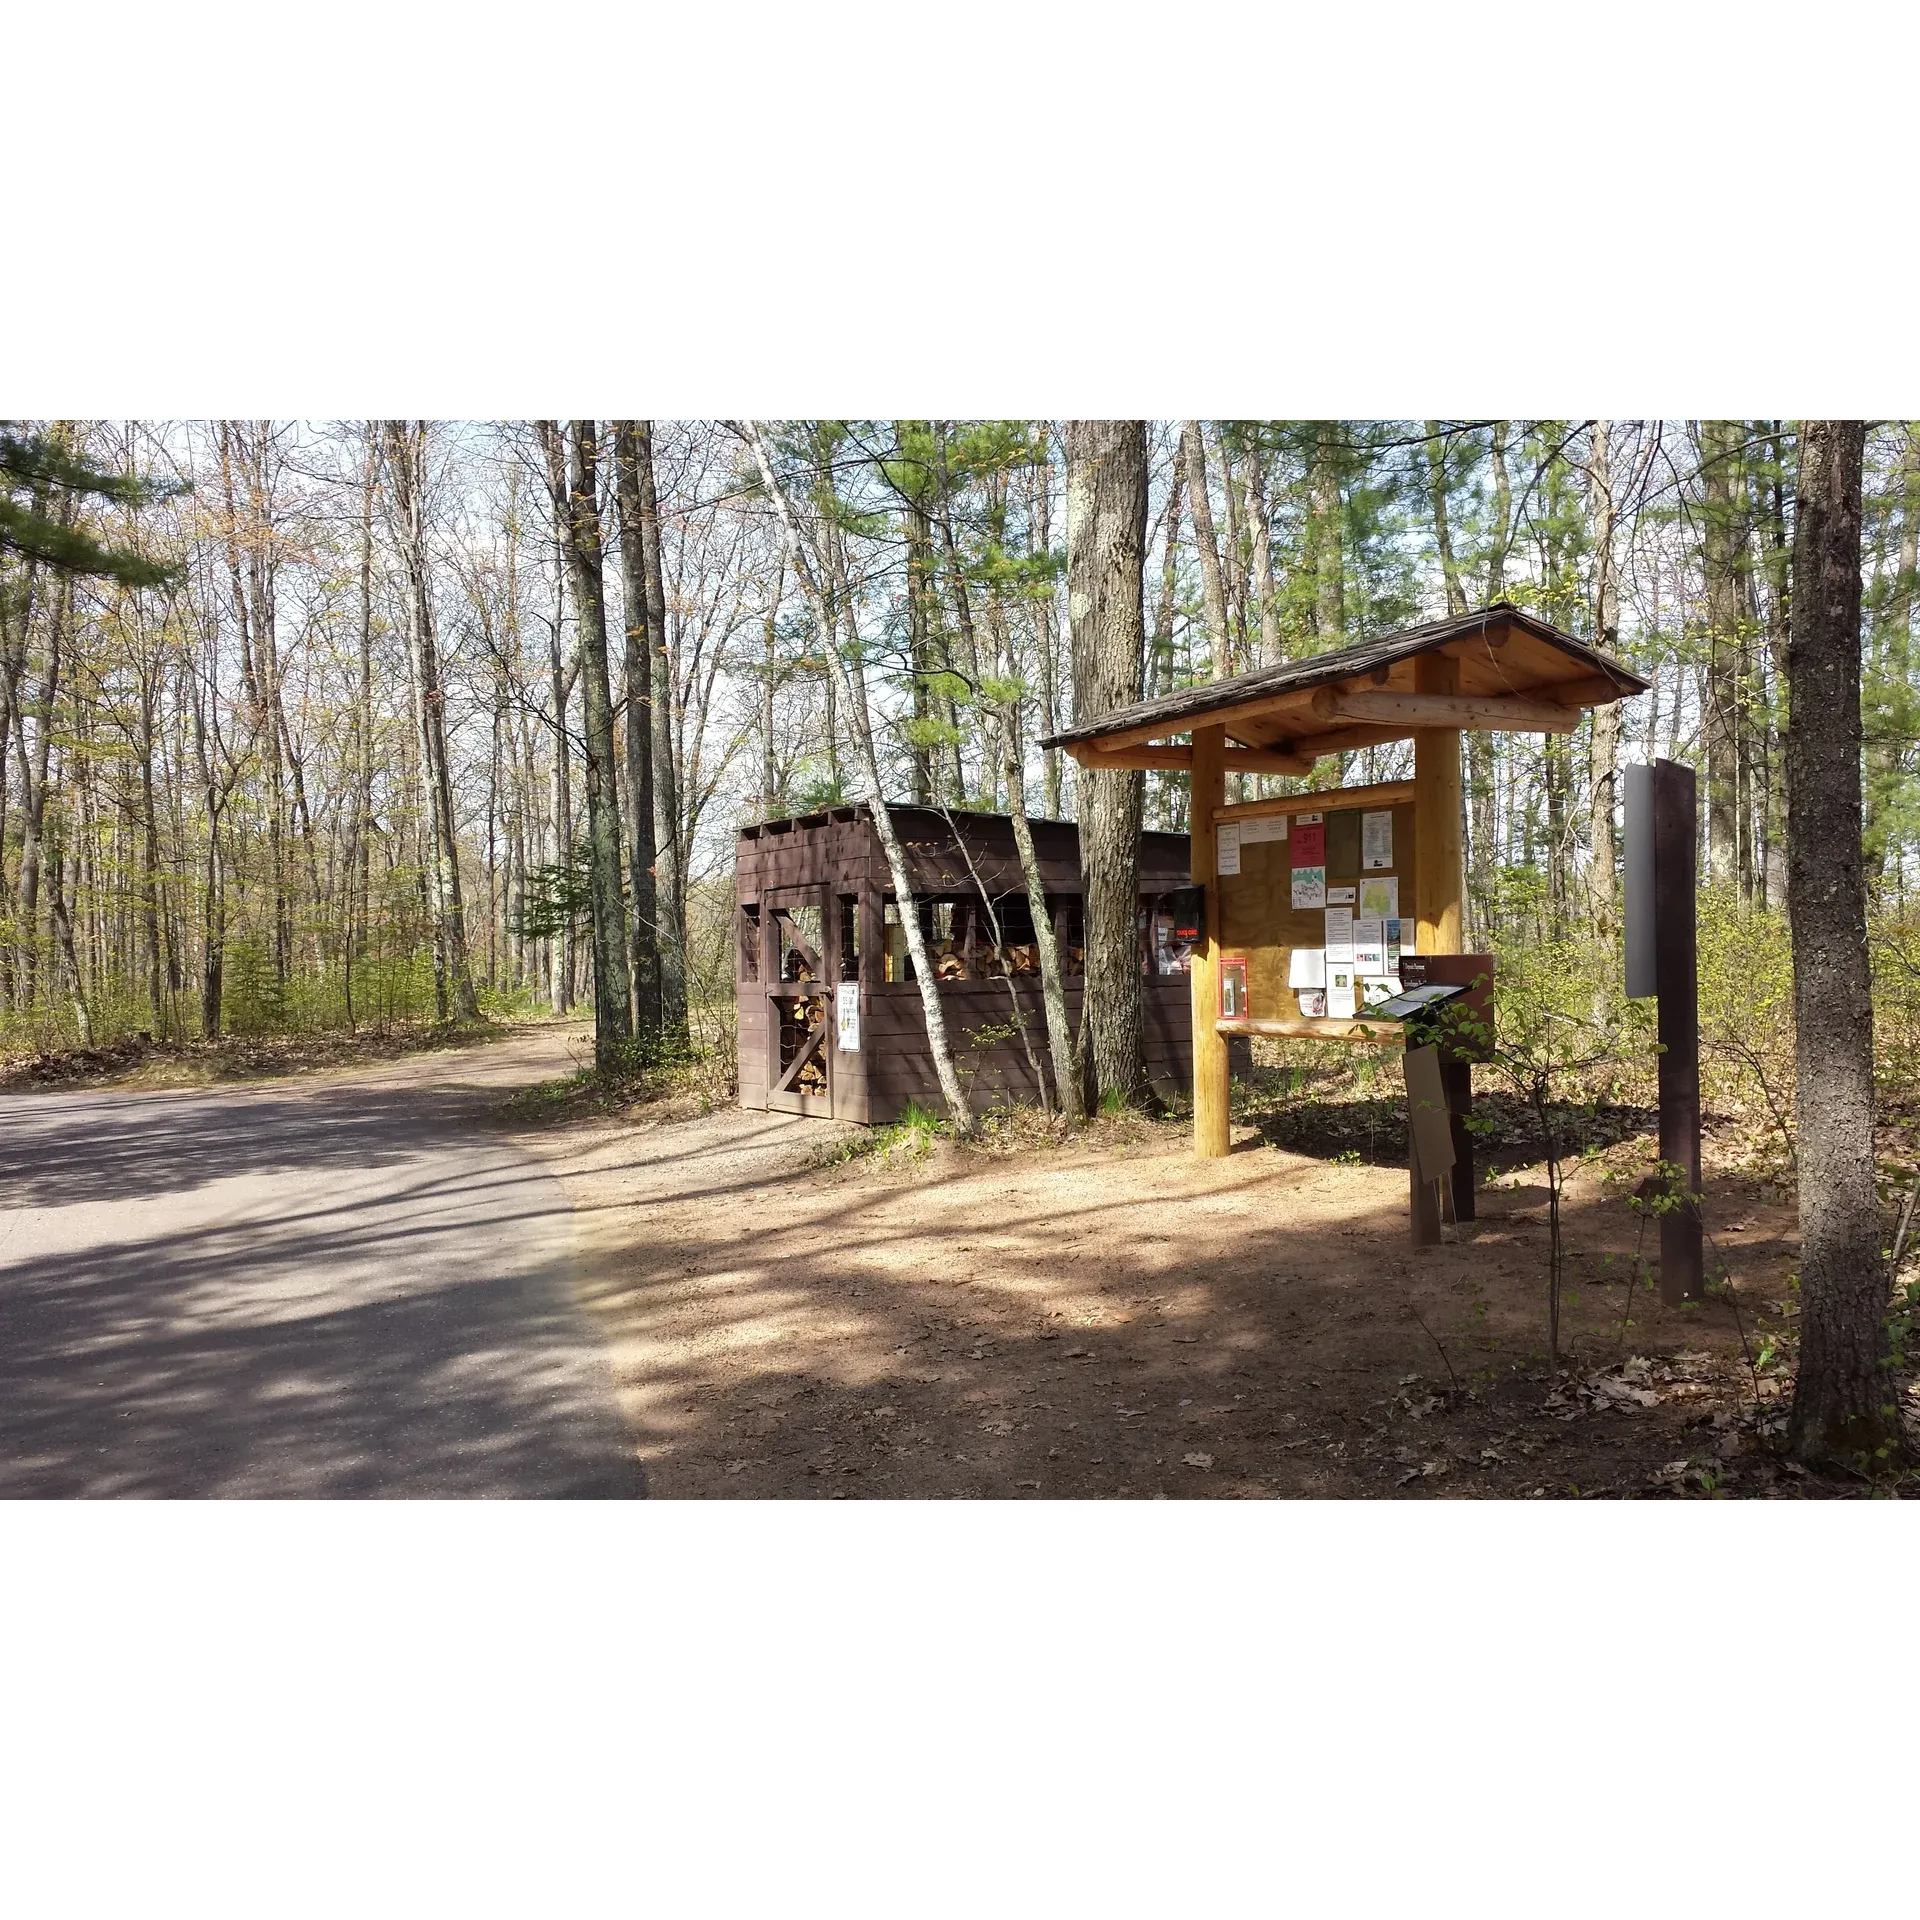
column 1675, row 840
column 1423, row 1199
column 1456, row 1076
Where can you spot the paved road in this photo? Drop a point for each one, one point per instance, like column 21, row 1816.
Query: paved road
column 347, row 1286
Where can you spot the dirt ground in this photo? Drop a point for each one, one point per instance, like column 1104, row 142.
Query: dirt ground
column 1112, row 1317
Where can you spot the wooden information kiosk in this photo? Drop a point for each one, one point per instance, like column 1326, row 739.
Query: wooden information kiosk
column 1499, row 669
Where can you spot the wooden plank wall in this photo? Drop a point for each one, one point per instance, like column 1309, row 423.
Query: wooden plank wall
column 994, row 1068
column 841, row 855
column 1257, row 916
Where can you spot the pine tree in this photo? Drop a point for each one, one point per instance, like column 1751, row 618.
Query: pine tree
column 42, row 466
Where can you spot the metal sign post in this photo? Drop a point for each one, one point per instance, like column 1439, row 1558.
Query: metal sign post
column 1662, row 964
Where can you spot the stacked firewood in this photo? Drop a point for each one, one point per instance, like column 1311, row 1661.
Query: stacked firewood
column 994, row 963
column 800, row 1020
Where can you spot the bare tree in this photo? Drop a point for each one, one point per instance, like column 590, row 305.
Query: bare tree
column 1193, row 454
column 406, row 489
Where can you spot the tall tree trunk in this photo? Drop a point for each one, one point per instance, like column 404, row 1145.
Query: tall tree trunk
column 1719, row 450
column 1602, row 881
column 406, row 468
column 580, row 506
column 1232, row 568
column 853, row 685
column 35, row 771
column 1779, row 625
column 1482, row 780
column 1330, row 572
column 1047, row 628
column 643, row 900
column 1193, row 453
column 360, row 842
column 560, row 824
column 917, row 484
column 1160, row 665
column 1502, row 539
column 63, row 935
column 1436, row 448
column 213, row 934
column 1106, row 556
column 670, row 855
column 1477, row 795
column 150, row 860
column 1260, row 532
column 1843, row 1403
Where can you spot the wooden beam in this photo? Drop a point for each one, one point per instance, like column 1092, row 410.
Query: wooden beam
column 1167, row 759
column 1173, row 759
column 1384, row 1033
column 1386, row 793
column 1590, row 690
column 1478, row 712
column 1295, row 701
column 1212, row 1126
column 1319, row 742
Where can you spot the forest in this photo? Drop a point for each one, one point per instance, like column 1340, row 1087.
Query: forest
column 314, row 743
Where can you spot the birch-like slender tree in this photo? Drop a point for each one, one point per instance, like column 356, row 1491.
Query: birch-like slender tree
column 850, row 677
column 1602, row 878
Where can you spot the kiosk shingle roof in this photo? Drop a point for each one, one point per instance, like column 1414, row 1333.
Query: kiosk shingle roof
column 1499, row 649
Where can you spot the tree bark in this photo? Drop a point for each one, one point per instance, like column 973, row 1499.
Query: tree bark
column 643, row 902
column 670, row 855
column 1602, row 880
column 1778, row 559
column 1442, row 527
column 1330, row 577
column 1719, row 450
column 1106, row 561
column 1046, row 627
column 1193, row 453
column 612, row 981
column 1260, row 531
column 916, row 482
column 1502, row 515
column 1843, row 1403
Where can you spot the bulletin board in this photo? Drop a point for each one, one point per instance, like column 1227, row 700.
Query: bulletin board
column 1257, row 915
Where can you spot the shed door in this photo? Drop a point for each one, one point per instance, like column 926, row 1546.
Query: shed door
column 799, row 1003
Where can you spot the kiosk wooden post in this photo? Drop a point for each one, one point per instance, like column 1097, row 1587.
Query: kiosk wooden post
column 1212, row 1132
column 1437, row 803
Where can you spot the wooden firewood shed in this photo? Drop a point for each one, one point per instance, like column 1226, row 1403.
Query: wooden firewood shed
column 830, row 1018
